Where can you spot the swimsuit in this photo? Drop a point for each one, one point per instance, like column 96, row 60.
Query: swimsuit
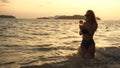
column 87, row 43
column 85, row 31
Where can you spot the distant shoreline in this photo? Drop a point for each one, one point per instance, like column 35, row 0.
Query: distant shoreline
column 7, row 16
column 66, row 17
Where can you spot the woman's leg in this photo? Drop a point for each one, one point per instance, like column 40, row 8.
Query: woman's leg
column 82, row 51
column 91, row 51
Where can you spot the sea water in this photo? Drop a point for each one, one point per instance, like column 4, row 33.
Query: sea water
column 39, row 41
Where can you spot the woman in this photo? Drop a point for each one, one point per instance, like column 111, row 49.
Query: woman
column 88, row 29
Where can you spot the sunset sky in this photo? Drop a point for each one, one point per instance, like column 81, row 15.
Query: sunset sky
column 105, row 9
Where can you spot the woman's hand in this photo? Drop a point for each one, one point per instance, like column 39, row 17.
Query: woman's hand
column 80, row 32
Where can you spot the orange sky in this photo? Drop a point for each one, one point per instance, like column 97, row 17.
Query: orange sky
column 105, row 9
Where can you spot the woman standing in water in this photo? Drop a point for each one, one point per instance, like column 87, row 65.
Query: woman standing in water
column 88, row 28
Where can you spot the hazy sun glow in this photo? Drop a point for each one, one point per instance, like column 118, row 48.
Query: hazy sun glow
column 105, row 9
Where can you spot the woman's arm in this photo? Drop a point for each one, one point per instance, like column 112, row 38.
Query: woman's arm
column 80, row 27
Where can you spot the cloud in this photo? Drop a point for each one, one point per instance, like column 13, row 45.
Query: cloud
column 2, row 5
column 4, row 1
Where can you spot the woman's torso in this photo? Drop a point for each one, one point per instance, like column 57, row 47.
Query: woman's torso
column 89, row 30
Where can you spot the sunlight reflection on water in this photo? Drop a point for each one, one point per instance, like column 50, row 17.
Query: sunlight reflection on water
column 39, row 39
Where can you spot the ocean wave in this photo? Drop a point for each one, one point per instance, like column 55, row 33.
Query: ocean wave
column 68, row 37
column 105, row 58
column 54, row 48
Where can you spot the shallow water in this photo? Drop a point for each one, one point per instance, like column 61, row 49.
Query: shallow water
column 39, row 41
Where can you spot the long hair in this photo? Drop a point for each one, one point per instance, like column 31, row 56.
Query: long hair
column 91, row 15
